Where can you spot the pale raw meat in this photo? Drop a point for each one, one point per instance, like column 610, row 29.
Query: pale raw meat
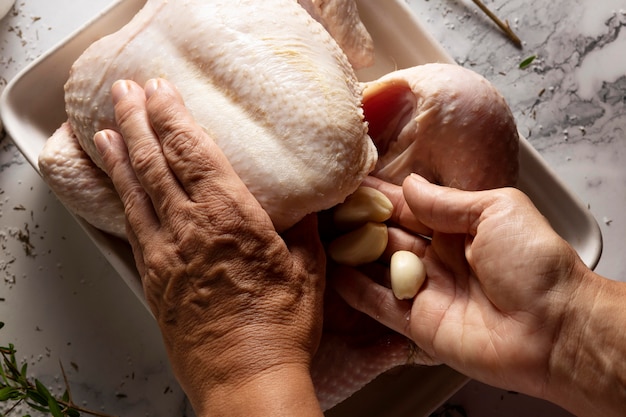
column 281, row 100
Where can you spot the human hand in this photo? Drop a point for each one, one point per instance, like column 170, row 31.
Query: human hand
column 234, row 301
column 499, row 280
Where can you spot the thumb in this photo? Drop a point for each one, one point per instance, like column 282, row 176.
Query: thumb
column 444, row 209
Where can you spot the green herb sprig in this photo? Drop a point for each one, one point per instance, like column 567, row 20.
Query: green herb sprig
column 16, row 388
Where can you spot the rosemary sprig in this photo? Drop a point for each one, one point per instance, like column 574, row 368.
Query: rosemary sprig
column 16, row 388
column 502, row 25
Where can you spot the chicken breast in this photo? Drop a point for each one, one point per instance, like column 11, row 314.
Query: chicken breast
column 281, row 100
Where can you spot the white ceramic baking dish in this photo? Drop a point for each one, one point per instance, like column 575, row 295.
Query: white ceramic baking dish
column 32, row 107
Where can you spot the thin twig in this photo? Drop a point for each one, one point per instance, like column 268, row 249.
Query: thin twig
column 13, row 407
column 70, row 404
column 67, row 385
column 502, row 25
column 84, row 410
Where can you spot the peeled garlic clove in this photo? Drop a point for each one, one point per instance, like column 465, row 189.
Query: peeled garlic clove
column 407, row 274
column 360, row 246
column 366, row 204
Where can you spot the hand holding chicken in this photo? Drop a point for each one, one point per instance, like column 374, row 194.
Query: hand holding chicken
column 190, row 254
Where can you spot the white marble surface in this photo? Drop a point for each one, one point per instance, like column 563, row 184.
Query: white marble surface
column 61, row 301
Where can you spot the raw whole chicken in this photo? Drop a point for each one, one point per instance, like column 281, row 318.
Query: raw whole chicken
column 283, row 103
column 281, row 100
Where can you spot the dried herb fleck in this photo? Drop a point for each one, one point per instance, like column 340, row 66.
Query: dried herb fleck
column 24, row 237
column 526, row 62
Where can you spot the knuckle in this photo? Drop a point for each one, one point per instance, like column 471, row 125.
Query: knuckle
column 143, row 157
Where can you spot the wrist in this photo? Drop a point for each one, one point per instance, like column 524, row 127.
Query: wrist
column 212, row 373
column 587, row 369
column 285, row 390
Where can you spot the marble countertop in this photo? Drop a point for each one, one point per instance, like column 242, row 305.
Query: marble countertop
column 62, row 301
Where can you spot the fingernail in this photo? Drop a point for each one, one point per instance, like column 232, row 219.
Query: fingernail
column 119, row 90
column 151, row 87
column 102, row 140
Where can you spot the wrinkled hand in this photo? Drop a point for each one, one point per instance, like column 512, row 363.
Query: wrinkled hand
column 498, row 282
column 232, row 298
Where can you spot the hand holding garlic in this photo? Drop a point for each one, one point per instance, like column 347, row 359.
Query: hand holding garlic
column 507, row 305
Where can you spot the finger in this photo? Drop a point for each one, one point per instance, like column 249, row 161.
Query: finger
column 368, row 297
column 150, row 286
column 192, row 154
column 402, row 214
column 137, row 205
column 144, row 147
column 399, row 239
column 137, row 252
